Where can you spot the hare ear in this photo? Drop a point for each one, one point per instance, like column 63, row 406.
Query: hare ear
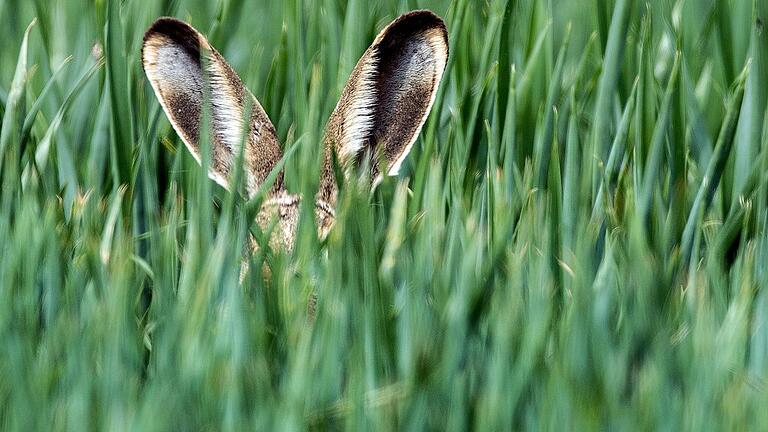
column 390, row 92
column 171, row 56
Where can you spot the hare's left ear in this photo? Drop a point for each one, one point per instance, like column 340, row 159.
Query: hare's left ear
column 388, row 96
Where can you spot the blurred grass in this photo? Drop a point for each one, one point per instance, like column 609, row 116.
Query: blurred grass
column 578, row 240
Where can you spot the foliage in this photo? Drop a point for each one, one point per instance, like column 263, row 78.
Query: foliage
column 578, row 240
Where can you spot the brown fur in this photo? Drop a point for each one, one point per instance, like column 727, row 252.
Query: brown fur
column 281, row 214
column 181, row 91
column 379, row 115
column 410, row 55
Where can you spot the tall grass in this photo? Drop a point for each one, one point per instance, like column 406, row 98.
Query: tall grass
column 577, row 241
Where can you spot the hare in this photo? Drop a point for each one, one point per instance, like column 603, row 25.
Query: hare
column 382, row 109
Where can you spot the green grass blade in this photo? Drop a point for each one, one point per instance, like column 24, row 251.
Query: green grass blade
column 725, row 142
column 13, row 107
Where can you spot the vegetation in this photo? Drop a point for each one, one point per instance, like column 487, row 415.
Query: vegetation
column 577, row 241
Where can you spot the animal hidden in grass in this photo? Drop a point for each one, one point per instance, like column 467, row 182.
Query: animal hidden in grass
column 382, row 109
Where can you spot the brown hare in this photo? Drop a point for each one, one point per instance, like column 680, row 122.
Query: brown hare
column 382, row 108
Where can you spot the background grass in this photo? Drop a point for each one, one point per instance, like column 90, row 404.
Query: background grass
column 583, row 244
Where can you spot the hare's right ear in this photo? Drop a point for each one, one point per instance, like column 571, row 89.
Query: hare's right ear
column 388, row 96
column 173, row 56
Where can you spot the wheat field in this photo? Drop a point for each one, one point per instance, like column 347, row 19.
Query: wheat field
column 578, row 240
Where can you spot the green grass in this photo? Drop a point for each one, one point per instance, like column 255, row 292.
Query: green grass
column 578, row 240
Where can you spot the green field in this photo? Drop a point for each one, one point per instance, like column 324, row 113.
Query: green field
column 578, row 240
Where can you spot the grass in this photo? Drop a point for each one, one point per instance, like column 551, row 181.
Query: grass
column 578, row 240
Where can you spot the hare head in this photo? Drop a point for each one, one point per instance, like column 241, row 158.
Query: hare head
column 382, row 108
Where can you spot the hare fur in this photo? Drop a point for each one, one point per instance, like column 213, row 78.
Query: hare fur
column 380, row 113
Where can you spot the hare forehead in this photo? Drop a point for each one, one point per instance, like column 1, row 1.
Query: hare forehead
column 280, row 213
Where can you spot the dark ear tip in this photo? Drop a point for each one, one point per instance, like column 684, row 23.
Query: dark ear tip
column 418, row 21
column 170, row 27
column 422, row 19
column 175, row 31
column 425, row 17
